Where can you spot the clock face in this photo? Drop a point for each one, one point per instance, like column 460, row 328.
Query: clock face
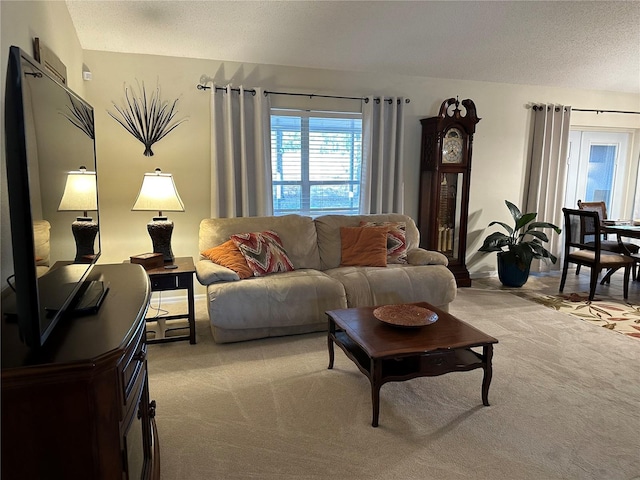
column 452, row 146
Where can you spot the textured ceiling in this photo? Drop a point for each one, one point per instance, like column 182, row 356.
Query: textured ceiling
column 579, row 44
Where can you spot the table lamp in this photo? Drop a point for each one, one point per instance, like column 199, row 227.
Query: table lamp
column 158, row 192
column 80, row 194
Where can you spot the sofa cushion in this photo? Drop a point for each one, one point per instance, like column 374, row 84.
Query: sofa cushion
column 228, row 255
column 41, row 242
column 396, row 240
column 300, row 297
column 263, row 252
column 420, row 256
column 297, row 233
column 369, row 286
column 363, row 246
column 208, row 272
column 328, row 229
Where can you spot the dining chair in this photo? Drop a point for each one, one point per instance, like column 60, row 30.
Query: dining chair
column 610, row 245
column 579, row 224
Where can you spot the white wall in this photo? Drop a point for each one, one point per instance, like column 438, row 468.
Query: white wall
column 500, row 145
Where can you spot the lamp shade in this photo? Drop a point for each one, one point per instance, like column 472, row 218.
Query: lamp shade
column 80, row 192
column 158, row 192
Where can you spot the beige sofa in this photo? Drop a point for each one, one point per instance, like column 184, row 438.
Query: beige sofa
column 296, row 301
column 41, row 240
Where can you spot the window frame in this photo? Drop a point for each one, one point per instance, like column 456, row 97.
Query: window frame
column 306, row 183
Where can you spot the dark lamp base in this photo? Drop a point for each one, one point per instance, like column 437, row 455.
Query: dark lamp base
column 84, row 231
column 160, row 232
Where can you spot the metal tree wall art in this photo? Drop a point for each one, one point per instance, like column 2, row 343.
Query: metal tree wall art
column 148, row 119
column 80, row 116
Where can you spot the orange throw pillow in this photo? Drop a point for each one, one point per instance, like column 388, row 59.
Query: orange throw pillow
column 228, row 255
column 363, row 246
column 396, row 240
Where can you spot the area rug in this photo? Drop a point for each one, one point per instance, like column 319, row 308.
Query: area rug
column 605, row 312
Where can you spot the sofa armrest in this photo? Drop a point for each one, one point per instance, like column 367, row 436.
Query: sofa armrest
column 208, row 272
column 420, row 256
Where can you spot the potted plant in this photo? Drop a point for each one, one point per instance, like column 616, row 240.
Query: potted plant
column 517, row 249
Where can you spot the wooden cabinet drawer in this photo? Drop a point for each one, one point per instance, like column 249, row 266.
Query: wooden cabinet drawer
column 132, row 364
column 184, row 281
column 171, row 282
column 437, row 363
column 164, row 282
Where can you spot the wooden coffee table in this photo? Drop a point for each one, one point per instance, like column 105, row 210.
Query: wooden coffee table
column 386, row 353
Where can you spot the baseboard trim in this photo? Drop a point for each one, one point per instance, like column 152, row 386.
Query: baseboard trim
column 170, row 299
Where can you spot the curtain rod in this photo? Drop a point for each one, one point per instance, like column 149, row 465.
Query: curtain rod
column 557, row 108
column 602, row 111
column 310, row 95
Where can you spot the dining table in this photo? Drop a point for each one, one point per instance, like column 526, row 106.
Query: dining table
column 626, row 231
column 630, row 231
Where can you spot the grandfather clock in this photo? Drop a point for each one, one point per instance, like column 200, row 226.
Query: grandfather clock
column 445, row 174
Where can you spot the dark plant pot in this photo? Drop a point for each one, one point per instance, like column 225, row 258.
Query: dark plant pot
column 509, row 273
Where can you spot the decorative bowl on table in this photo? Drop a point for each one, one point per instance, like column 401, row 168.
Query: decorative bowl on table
column 404, row 315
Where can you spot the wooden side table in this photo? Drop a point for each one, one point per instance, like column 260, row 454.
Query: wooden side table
column 179, row 277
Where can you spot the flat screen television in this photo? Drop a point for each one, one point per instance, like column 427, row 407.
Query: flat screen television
column 49, row 134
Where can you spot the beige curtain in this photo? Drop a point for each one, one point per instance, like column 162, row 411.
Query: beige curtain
column 546, row 179
column 382, row 185
column 240, row 153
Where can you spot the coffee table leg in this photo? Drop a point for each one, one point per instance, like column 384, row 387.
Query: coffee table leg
column 330, row 335
column 376, row 379
column 487, row 352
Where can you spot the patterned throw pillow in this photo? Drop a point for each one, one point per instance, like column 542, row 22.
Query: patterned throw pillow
column 396, row 240
column 228, row 255
column 363, row 247
column 263, row 252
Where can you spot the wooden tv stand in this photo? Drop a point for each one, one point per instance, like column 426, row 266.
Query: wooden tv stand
column 79, row 408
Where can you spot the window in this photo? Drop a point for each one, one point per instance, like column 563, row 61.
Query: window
column 316, row 162
column 600, row 170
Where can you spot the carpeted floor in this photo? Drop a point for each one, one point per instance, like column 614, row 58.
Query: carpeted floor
column 564, row 405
